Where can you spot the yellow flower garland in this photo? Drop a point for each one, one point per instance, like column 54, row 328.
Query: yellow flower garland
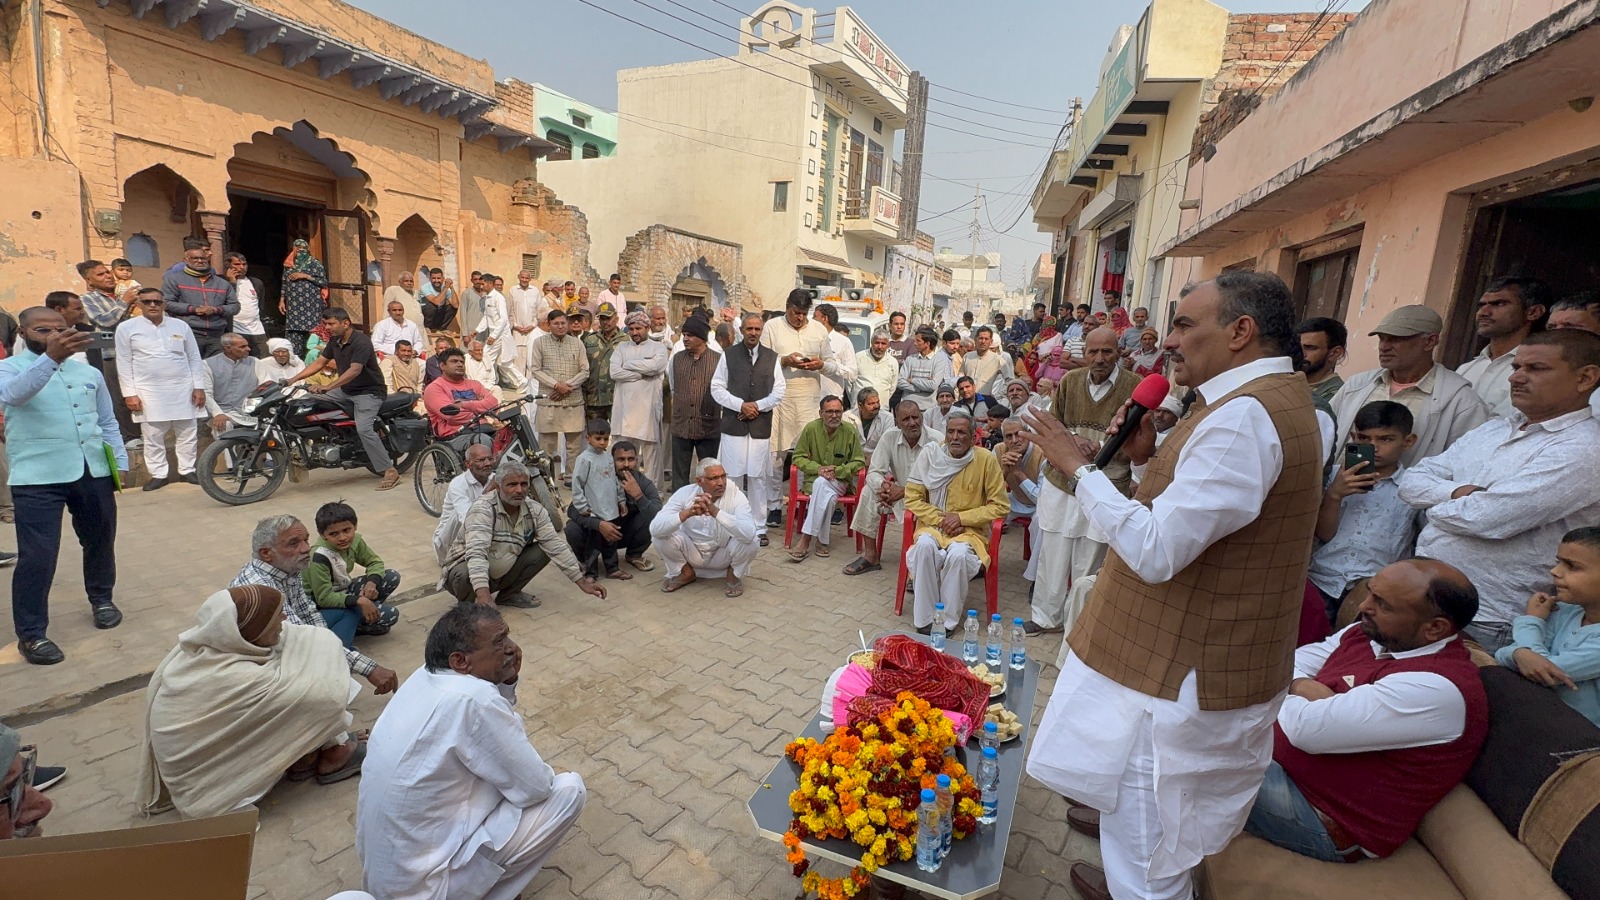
column 863, row 783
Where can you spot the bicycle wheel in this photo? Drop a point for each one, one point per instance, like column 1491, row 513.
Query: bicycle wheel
column 436, row 467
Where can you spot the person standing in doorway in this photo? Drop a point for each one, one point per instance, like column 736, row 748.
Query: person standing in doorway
column 439, row 307
column 305, row 294
column 163, row 383
column 1322, row 348
column 1163, row 715
column 51, row 402
column 249, row 291
column 199, row 297
column 1510, row 309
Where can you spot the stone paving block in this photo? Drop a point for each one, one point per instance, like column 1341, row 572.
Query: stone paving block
column 551, row 884
column 688, row 874
column 689, row 833
column 579, row 861
column 638, row 851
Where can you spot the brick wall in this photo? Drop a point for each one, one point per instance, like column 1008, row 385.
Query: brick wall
column 1262, row 52
column 653, row 258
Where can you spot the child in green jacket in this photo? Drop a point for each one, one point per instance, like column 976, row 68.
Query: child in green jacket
column 351, row 604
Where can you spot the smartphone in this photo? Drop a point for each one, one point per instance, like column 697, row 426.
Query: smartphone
column 104, row 340
column 1359, row 453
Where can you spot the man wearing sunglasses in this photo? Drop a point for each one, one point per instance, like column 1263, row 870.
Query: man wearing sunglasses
column 22, row 807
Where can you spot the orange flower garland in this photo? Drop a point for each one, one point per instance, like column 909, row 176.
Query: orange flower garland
column 864, row 783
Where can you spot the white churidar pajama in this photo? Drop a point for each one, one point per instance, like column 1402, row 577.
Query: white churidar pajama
column 941, row 576
column 711, row 544
column 825, row 494
column 1067, row 547
column 160, row 364
column 748, row 460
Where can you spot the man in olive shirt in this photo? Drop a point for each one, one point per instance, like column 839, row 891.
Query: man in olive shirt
column 359, row 383
column 828, row 455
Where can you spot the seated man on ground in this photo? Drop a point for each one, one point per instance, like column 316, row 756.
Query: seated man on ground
column 244, row 699
column 1381, row 721
column 637, row 504
column 828, row 456
column 505, row 540
column 1557, row 642
column 351, row 604
column 463, row 489
column 453, row 388
column 1502, row 496
column 280, row 550
column 706, row 528
column 458, row 803
column 885, row 490
column 280, row 364
column 956, row 491
column 24, row 805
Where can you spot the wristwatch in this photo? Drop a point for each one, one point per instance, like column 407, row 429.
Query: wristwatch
column 1083, row 471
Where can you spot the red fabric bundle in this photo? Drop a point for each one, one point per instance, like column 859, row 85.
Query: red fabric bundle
column 904, row 664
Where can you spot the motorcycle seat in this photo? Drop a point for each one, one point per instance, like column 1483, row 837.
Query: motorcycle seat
column 398, row 403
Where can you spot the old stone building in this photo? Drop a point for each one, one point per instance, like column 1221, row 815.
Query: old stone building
column 254, row 122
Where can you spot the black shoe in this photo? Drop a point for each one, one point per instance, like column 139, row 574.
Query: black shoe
column 154, row 484
column 41, row 652
column 838, row 517
column 7, row 559
column 1034, row 629
column 45, row 777
column 107, row 616
column 775, row 518
column 190, row 478
column 926, row 629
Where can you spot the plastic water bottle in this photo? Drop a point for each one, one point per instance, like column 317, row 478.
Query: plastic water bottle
column 936, row 631
column 946, row 818
column 989, row 785
column 969, row 639
column 928, row 832
column 995, row 649
column 989, row 738
column 1019, row 645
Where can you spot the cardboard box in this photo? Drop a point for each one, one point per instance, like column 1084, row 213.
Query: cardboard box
column 202, row 859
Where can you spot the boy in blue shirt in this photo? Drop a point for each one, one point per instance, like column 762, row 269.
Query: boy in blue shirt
column 1557, row 643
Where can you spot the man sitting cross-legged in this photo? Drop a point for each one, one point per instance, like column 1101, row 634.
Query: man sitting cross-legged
column 457, row 802
column 1382, row 720
column 504, row 542
column 828, row 456
column 706, row 527
column 885, row 490
column 956, row 490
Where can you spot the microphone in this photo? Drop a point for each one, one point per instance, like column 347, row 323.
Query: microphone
column 1146, row 396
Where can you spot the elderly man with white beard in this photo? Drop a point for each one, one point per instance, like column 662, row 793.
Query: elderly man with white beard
column 955, row 491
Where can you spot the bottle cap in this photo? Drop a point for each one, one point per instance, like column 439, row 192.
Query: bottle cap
column 990, row 726
column 995, row 617
column 1017, row 621
column 927, row 795
column 944, row 781
column 988, row 753
column 972, row 614
column 938, row 606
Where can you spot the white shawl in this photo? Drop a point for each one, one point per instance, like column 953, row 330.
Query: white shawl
column 225, row 718
column 935, row 468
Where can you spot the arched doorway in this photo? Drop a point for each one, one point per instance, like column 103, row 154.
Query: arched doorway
column 158, row 211
column 416, row 244
column 292, row 183
column 698, row 284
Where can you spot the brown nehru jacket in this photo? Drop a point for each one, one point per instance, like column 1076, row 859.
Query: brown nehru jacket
column 1232, row 614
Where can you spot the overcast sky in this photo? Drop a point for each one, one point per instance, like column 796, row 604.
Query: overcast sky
column 1036, row 53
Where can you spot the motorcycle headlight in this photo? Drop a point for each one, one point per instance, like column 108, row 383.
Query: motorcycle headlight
column 249, row 405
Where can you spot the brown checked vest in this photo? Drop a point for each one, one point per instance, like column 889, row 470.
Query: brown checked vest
column 1232, row 614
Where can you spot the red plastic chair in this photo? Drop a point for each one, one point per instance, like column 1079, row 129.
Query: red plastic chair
column 1025, row 523
column 991, row 568
column 798, row 501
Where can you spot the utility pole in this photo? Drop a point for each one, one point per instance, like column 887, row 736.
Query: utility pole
column 972, row 273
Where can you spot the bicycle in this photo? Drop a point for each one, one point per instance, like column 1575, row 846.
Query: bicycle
column 509, row 430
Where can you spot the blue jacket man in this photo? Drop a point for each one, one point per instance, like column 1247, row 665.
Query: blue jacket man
column 62, row 436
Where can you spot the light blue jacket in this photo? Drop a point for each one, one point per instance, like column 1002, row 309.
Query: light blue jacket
column 58, row 419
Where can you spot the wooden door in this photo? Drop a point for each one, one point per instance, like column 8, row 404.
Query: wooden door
column 344, row 252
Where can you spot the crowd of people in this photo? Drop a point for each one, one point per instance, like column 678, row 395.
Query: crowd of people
column 1377, row 522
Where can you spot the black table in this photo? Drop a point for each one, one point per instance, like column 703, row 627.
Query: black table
column 976, row 862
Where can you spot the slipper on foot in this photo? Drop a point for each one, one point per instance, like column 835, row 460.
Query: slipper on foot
column 861, row 566
column 350, row 769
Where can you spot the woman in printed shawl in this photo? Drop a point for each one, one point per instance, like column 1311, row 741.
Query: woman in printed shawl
column 305, row 294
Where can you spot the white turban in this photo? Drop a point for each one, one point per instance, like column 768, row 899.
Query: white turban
column 276, row 344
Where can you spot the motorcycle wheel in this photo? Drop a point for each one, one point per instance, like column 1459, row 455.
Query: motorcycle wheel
column 541, row 490
column 436, row 467
column 227, row 476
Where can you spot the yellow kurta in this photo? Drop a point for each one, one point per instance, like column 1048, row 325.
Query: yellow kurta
column 978, row 495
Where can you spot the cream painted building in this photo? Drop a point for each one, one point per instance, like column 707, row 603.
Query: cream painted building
column 781, row 160
column 1111, row 198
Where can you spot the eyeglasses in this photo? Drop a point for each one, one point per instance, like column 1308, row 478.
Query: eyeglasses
column 14, row 791
column 151, row 301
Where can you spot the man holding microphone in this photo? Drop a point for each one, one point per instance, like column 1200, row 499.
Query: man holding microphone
column 1162, row 716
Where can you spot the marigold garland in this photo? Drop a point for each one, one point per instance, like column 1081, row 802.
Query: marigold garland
column 863, row 783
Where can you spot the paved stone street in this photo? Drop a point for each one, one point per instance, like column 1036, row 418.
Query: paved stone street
column 671, row 707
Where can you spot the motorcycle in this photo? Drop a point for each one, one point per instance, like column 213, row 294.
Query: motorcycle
column 508, row 430
column 295, row 427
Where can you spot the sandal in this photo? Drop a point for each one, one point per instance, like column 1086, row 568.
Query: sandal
column 8, row 515
column 799, row 555
column 861, row 566
column 619, row 575
column 642, row 564
column 675, row 583
column 350, row 769
column 822, row 550
column 735, row 588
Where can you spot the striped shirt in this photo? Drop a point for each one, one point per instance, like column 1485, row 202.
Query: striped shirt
column 297, row 607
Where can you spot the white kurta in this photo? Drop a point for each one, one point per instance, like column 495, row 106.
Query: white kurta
column 385, row 333
column 496, row 323
column 743, row 456
column 838, row 378
column 451, row 774
column 525, row 312
column 637, row 370
column 160, row 364
column 803, row 389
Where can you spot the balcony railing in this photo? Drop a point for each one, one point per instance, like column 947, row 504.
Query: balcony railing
column 872, row 213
